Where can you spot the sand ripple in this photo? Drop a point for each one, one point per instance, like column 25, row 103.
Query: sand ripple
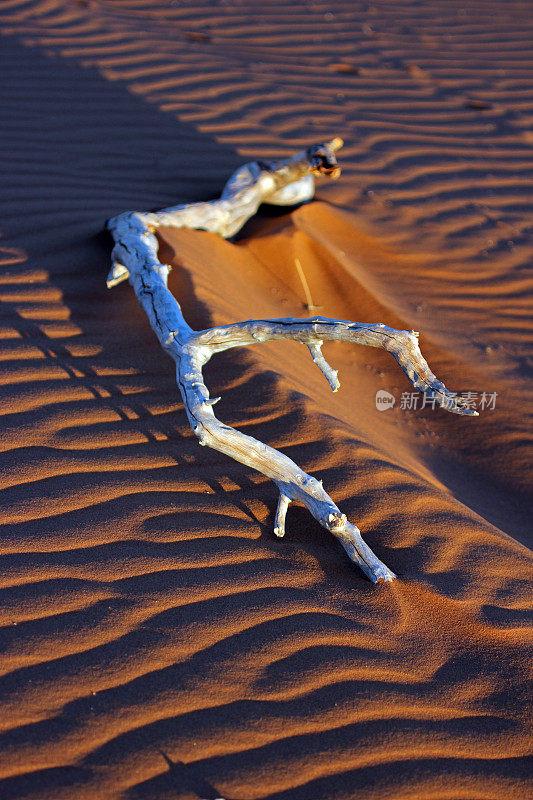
column 156, row 640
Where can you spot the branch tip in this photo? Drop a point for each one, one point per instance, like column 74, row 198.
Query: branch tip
column 330, row 374
column 336, row 143
column 117, row 274
column 281, row 512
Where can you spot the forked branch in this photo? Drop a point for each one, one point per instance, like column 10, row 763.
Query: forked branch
column 135, row 256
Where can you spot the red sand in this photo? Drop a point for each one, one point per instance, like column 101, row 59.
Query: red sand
column 157, row 640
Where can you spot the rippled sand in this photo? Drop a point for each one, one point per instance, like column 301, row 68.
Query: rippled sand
column 157, row 641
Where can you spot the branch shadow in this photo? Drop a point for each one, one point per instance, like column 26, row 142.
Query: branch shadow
column 188, row 777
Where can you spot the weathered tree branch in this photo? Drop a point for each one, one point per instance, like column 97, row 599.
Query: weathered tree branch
column 284, row 182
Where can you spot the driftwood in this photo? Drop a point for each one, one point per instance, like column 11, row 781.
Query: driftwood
column 285, row 182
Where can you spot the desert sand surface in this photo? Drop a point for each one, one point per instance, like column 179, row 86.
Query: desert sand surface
column 157, row 641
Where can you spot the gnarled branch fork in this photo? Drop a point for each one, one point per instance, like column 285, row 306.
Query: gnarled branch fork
column 283, row 182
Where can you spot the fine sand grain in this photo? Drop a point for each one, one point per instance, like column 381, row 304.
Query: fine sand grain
column 157, row 641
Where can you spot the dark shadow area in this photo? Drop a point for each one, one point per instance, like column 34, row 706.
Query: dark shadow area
column 31, row 783
column 507, row 510
column 188, row 777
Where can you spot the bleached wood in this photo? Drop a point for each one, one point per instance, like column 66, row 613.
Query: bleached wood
column 134, row 256
column 331, row 375
column 281, row 512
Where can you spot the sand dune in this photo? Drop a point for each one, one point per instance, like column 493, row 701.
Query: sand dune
column 157, row 640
